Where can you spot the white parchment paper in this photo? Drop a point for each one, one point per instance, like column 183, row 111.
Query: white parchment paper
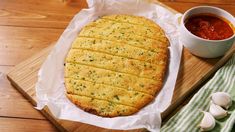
column 50, row 89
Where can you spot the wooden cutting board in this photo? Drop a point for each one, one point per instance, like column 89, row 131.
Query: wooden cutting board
column 193, row 72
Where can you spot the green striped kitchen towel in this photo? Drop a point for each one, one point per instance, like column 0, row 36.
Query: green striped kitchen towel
column 189, row 117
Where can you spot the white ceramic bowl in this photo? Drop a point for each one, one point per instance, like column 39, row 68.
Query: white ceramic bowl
column 203, row 47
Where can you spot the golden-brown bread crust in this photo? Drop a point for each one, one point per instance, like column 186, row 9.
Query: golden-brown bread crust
column 122, row 80
column 106, row 92
column 116, row 65
column 113, row 48
column 101, row 107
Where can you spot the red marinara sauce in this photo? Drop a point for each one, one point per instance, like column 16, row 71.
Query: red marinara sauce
column 209, row 26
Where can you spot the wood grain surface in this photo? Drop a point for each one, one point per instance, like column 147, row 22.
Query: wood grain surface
column 26, row 27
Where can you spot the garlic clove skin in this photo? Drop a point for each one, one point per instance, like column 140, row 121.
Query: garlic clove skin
column 222, row 99
column 217, row 111
column 208, row 122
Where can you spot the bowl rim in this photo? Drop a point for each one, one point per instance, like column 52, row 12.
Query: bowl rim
column 207, row 40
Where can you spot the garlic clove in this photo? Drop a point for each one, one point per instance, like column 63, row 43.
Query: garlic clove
column 222, row 99
column 208, row 122
column 217, row 111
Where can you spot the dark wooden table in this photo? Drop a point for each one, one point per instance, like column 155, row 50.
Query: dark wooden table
column 28, row 26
